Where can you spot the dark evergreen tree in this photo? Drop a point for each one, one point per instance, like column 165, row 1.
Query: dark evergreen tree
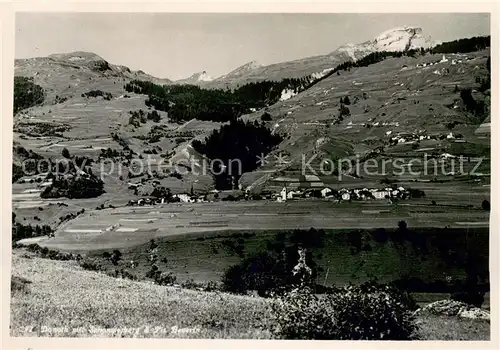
column 26, row 93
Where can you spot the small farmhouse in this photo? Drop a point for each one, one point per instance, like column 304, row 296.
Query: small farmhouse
column 346, row 196
column 381, row 194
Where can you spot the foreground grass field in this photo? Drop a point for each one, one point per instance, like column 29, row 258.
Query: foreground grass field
column 65, row 301
column 87, row 303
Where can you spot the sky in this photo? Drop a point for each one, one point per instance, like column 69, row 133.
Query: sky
column 174, row 46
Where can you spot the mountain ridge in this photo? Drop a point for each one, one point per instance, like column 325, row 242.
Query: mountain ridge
column 395, row 39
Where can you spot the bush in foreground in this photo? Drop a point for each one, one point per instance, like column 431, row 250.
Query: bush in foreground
column 19, row 284
column 368, row 312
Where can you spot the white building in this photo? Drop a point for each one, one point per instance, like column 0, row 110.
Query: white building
column 326, row 191
column 185, row 198
column 381, row 194
column 447, row 155
column 283, row 194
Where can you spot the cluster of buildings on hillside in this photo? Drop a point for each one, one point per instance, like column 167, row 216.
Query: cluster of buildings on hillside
column 310, row 186
column 444, row 59
column 176, row 198
column 304, row 186
column 344, row 194
column 415, row 137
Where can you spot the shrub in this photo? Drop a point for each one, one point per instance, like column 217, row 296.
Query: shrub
column 300, row 314
column 344, row 111
column 96, row 93
column 90, row 264
column 368, row 312
column 485, row 205
column 65, row 153
column 53, row 254
column 116, row 257
column 17, row 172
column 416, row 193
column 165, row 279
column 153, row 272
column 19, row 284
column 44, row 252
column 126, row 274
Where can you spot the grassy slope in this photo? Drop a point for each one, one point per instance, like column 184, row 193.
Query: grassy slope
column 96, row 302
column 452, row 328
column 204, row 257
column 414, row 98
column 64, row 295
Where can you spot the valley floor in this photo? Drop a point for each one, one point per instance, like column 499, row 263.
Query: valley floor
column 131, row 226
column 63, row 300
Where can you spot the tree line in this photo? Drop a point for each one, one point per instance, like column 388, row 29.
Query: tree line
column 26, row 93
column 186, row 102
column 238, row 140
column 476, row 43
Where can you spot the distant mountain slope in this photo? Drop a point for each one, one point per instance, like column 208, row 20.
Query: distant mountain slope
column 196, row 78
column 70, row 74
column 397, row 39
column 244, row 69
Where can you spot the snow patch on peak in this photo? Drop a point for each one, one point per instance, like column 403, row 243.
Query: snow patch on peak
column 401, row 39
column 399, row 31
column 395, row 39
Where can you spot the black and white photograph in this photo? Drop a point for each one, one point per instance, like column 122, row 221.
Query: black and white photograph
column 285, row 176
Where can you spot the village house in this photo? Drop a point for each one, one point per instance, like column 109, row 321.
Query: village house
column 346, row 196
column 185, row 198
column 381, row 194
column 325, row 192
